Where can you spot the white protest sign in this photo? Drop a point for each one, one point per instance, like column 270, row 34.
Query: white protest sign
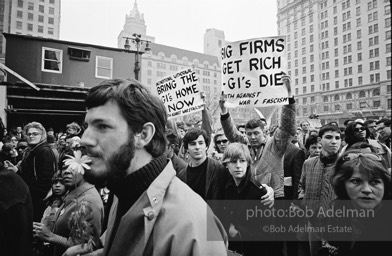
column 252, row 72
column 314, row 123
column 180, row 93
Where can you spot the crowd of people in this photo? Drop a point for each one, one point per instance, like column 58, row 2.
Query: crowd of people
column 131, row 182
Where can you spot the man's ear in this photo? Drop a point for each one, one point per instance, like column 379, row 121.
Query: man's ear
column 146, row 135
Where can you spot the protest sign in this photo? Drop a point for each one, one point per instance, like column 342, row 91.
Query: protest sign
column 180, row 93
column 252, row 72
column 314, row 123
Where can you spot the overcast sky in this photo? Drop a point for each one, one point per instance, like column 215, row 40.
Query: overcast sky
column 177, row 23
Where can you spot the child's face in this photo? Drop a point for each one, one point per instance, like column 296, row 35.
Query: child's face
column 314, row 149
column 58, row 188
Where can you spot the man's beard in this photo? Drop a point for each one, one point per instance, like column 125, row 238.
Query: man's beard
column 116, row 166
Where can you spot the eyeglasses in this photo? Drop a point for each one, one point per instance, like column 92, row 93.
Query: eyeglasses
column 352, row 156
column 359, row 129
column 34, row 134
column 221, row 141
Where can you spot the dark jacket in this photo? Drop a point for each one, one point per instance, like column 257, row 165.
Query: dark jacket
column 217, row 176
column 293, row 160
column 37, row 169
column 236, row 206
column 369, row 234
column 267, row 163
column 178, row 163
column 16, row 219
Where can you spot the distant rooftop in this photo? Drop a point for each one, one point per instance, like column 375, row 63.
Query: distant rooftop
column 181, row 53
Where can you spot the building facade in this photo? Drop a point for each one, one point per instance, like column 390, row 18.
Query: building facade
column 164, row 60
column 39, row 18
column 339, row 57
column 63, row 71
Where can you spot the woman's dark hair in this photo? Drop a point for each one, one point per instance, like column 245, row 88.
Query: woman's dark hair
column 368, row 167
column 349, row 133
column 68, row 151
column 215, row 139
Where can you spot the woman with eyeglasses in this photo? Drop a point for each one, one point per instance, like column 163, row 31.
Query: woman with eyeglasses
column 363, row 188
column 220, row 144
column 358, row 132
column 37, row 166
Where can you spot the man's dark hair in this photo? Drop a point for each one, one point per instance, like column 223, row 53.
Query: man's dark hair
column 328, row 128
column 333, row 123
column 310, row 141
column 240, row 126
column 137, row 105
column 369, row 121
column 193, row 134
column 385, row 121
column 254, row 123
column 171, row 137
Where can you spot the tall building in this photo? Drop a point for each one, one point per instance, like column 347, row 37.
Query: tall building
column 164, row 60
column 39, row 18
column 339, row 57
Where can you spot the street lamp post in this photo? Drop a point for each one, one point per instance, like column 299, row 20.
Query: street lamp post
column 138, row 42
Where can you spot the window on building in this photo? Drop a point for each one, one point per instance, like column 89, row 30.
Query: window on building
column 30, row 6
column 51, row 20
column 103, row 67
column 359, row 56
column 20, row 3
column 19, row 25
column 51, row 10
column 40, row 29
column 358, row 22
column 325, row 99
column 349, row 96
column 362, row 94
column 30, row 16
column 50, row 31
column 40, row 18
column 29, row 27
column 42, row 8
column 387, row 22
column 52, row 60
column 376, row 92
column 326, row 109
column 19, row 14
column 360, row 80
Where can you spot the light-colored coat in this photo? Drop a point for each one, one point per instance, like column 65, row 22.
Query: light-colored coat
column 168, row 219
